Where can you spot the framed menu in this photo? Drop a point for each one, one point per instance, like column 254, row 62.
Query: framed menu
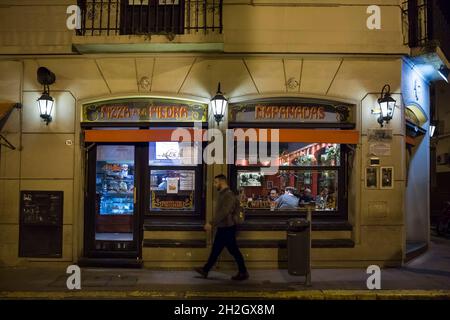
column 387, row 177
column 371, row 177
column 187, row 180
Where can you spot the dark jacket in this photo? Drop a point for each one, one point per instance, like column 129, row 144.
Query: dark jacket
column 225, row 208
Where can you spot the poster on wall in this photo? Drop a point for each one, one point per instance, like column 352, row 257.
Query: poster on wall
column 387, row 177
column 250, row 179
column 371, row 177
column 380, row 149
column 187, row 181
column 172, row 185
column 379, row 135
column 380, row 141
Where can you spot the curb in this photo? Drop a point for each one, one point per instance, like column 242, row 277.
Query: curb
column 279, row 295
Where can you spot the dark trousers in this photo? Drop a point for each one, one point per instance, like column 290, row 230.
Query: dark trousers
column 225, row 237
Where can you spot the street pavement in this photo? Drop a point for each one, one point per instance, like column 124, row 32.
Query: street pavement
column 427, row 276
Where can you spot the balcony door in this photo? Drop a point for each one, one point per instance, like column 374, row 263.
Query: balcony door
column 152, row 17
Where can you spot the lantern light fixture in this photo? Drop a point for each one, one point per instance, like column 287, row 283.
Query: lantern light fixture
column 386, row 104
column 433, row 128
column 45, row 102
column 219, row 104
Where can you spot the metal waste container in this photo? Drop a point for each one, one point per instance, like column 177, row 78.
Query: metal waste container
column 298, row 247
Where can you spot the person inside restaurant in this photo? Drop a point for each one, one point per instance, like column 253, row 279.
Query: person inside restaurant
column 306, row 196
column 322, row 199
column 288, row 200
column 273, row 194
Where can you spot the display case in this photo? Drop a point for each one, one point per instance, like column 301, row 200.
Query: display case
column 115, row 187
column 115, row 192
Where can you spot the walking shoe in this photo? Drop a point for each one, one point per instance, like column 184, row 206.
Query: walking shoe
column 202, row 272
column 241, row 276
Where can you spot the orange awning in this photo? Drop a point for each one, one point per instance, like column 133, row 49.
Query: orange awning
column 307, row 135
column 5, row 110
column 130, row 135
column 285, row 135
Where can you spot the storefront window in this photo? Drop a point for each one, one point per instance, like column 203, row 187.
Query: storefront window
column 174, row 177
column 308, row 173
column 288, row 189
column 172, row 190
column 297, row 154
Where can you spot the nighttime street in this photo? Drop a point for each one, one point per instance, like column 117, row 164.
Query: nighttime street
column 253, row 151
column 427, row 277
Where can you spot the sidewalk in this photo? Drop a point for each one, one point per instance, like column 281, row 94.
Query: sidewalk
column 427, row 276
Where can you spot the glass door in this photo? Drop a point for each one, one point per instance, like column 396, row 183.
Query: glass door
column 112, row 219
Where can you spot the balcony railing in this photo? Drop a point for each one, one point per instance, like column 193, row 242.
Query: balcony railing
column 147, row 17
column 426, row 23
column 415, row 23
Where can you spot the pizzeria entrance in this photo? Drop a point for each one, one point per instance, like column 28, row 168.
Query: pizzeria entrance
column 115, row 174
column 136, row 176
column 129, row 184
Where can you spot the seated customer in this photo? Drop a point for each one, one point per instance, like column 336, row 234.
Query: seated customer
column 306, row 197
column 287, row 200
column 331, row 200
column 273, row 195
column 322, row 198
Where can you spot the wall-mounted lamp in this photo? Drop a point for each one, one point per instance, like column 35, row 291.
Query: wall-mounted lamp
column 45, row 102
column 444, row 72
column 387, row 105
column 219, row 104
column 433, row 126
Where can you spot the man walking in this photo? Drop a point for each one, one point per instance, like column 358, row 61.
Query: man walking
column 225, row 220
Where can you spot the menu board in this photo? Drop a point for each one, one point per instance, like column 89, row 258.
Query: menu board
column 41, row 215
column 41, row 207
column 187, row 181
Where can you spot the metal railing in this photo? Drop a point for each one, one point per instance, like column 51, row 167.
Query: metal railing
column 415, row 22
column 147, row 17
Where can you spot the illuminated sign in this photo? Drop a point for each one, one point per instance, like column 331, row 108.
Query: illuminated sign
column 290, row 110
column 144, row 110
column 172, row 201
column 167, row 151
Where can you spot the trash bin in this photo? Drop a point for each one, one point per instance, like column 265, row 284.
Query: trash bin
column 298, row 247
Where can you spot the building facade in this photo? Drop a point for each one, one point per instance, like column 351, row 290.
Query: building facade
column 103, row 184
